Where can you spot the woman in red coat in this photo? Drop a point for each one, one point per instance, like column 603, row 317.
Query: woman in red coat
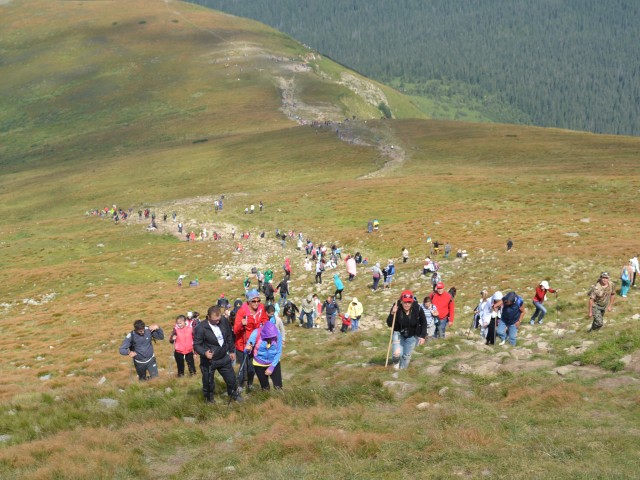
column 538, row 300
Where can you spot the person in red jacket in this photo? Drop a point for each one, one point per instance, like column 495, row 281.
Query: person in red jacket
column 443, row 302
column 250, row 315
column 538, row 299
column 182, row 339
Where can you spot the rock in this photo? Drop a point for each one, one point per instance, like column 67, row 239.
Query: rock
column 626, row 359
column 585, row 220
column 434, row 370
column 464, row 368
column 5, row 438
column 102, row 380
column 108, row 402
column 292, row 353
column 398, row 387
column 366, row 343
column 487, row 369
column 189, row 419
column 168, row 390
column 46, row 377
column 443, row 391
column 572, row 234
column 423, row 406
column 636, row 316
column 39, row 358
column 562, row 371
column 230, row 469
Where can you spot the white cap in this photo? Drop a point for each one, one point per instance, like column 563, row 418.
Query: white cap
column 189, row 314
column 544, row 284
column 496, row 296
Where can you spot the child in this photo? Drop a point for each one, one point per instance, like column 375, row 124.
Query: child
column 266, row 344
column 276, row 320
column 182, row 339
column 431, row 314
column 138, row 344
column 346, row 323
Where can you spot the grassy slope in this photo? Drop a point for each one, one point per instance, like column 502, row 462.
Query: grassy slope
column 147, row 91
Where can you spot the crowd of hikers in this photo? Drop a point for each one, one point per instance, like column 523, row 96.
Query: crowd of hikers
column 245, row 340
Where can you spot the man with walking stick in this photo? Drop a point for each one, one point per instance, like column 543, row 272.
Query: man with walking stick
column 408, row 328
column 213, row 341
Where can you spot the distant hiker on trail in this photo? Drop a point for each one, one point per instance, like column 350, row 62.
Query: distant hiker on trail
column 339, row 286
column 319, row 270
column 376, row 273
column 512, row 314
column 447, row 250
column 496, row 313
column 283, row 290
column 509, row 244
column 435, row 280
column 179, row 227
column 482, row 313
column 436, row 248
column 308, row 311
column 250, row 316
column 446, row 308
column 376, row 225
column 538, row 300
column 405, row 255
column 252, row 208
column 636, row 269
column 409, row 328
column 214, row 343
column 180, row 278
column 601, row 298
column 261, row 205
column 351, row 267
column 269, row 293
column 389, row 272
column 358, row 258
column 182, row 339
column 355, row 311
column 331, row 309
column 264, row 348
column 431, row 316
column 223, row 302
column 287, row 268
column 233, row 233
column 625, row 278
column 369, row 226
column 138, row 344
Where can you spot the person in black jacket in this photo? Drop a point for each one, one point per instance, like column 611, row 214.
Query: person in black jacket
column 213, row 341
column 409, row 328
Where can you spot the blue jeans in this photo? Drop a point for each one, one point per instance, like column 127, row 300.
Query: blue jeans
column 539, row 313
column 309, row 316
column 355, row 324
column 442, row 327
column 402, row 348
column 504, row 330
column 375, row 282
column 624, row 287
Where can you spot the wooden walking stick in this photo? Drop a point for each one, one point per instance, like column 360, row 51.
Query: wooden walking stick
column 393, row 323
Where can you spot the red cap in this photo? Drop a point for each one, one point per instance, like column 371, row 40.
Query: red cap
column 439, row 285
column 222, row 295
column 406, row 295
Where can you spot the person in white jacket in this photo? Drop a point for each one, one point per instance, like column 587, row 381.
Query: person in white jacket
column 483, row 312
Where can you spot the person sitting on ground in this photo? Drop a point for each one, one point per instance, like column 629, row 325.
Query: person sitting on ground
column 409, row 328
column 264, row 347
column 214, row 343
column 138, row 344
column 513, row 311
column 538, row 299
column 182, row 339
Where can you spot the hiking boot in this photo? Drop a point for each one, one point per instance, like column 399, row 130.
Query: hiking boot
column 396, row 366
column 237, row 397
column 540, row 322
column 210, row 401
column 503, row 342
column 531, row 322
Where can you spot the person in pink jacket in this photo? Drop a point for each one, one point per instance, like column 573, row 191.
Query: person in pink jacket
column 182, row 339
column 351, row 267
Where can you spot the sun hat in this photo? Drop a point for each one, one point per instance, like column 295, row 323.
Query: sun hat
column 253, row 293
column 354, row 300
column 544, row 284
column 497, row 296
column 189, row 314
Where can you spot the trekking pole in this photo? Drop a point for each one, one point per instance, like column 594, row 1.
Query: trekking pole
column 393, row 323
column 557, row 309
column 473, row 320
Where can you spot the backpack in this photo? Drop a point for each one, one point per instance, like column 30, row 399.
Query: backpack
column 391, row 269
column 625, row 275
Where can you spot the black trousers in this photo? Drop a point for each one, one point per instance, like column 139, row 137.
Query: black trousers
column 247, row 372
column 263, row 378
column 180, row 359
column 208, row 369
column 491, row 332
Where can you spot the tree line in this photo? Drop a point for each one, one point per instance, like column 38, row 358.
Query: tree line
column 569, row 64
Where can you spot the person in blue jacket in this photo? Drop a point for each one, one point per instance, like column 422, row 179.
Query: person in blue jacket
column 138, row 344
column 339, row 286
column 266, row 344
column 513, row 311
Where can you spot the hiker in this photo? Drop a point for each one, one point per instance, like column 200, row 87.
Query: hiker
column 261, row 205
column 287, row 268
column 307, row 310
column 369, row 226
column 446, row 308
column 351, row 267
column 269, row 293
column 233, row 233
column 431, row 315
column 264, row 348
column 636, row 269
column 339, row 286
column 601, row 298
column 428, row 267
column 376, row 273
column 223, row 302
column 283, row 290
column 331, row 310
column 447, row 250
column 274, row 318
column 435, row 280
column 512, row 314
column 250, row 316
column 509, row 244
column 405, row 255
column 138, row 344
column 180, row 278
column 346, row 323
column 355, row 310
column 182, row 339
column 252, row 208
column 482, row 313
column 319, row 270
column 495, row 314
column 436, row 248
column 625, row 278
column 179, row 227
column 290, row 312
column 358, row 258
column 538, row 299
column 389, row 272
column 409, row 328
column 213, row 341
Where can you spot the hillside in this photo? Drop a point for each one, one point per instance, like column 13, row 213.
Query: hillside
column 154, row 105
column 558, row 64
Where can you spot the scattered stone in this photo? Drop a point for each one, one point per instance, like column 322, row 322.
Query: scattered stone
column 108, row 402
column 572, row 234
column 5, row 438
column 626, row 359
column 443, row 391
column 464, row 368
column 563, row 371
column 230, row 469
column 366, row 343
column 189, row 419
column 423, row 406
column 102, row 380
column 398, row 387
column 39, row 358
column 292, row 353
column 168, row 390
column 636, row 316
column 46, row 377
column 434, row 369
